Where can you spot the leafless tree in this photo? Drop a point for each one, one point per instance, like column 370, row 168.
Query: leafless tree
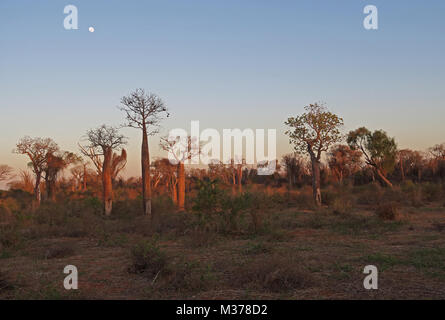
column 5, row 172
column 101, row 143
column 144, row 111
column 180, row 150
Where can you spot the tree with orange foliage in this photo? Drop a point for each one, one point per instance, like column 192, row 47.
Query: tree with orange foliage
column 343, row 161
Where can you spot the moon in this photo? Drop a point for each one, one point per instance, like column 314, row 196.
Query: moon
column 91, row 29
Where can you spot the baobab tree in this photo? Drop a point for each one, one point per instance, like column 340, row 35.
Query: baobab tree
column 181, row 149
column 166, row 173
column 38, row 150
column 314, row 132
column 5, row 172
column 378, row 149
column 144, row 111
column 118, row 161
column 102, row 141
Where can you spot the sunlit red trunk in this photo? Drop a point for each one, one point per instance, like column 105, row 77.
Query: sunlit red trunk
column 107, row 182
column 146, row 184
column 181, row 186
column 384, row 179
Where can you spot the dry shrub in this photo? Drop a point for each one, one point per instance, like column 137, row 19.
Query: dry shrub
column 393, row 194
column 415, row 198
column 369, row 194
column 273, row 273
column 304, row 199
column 186, row 276
column 62, row 250
column 388, row 211
column 432, row 191
column 147, row 258
column 341, row 206
column 9, row 236
column 198, row 237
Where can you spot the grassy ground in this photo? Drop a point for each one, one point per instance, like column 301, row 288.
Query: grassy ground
column 299, row 254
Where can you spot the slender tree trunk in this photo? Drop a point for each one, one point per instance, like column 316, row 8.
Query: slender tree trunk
column 84, row 177
column 240, row 179
column 290, row 180
column 402, row 171
column 384, row 179
column 146, row 183
column 174, row 192
column 107, row 182
column 316, row 190
column 37, row 193
column 181, row 186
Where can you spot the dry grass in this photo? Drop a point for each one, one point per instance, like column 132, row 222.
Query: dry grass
column 294, row 253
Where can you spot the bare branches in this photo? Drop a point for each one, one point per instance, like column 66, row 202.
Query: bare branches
column 37, row 149
column 143, row 110
column 104, row 137
column 5, row 172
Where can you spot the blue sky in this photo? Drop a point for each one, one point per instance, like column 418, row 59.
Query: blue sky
column 229, row 64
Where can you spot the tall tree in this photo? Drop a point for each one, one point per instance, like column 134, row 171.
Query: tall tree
column 378, row 149
column 144, row 111
column 314, row 132
column 101, row 143
column 37, row 149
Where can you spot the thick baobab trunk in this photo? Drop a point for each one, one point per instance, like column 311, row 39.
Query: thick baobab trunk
column 316, row 191
column 181, row 186
column 51, row 196
column 384, row 179
column 107, row 182
column 146, row 183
